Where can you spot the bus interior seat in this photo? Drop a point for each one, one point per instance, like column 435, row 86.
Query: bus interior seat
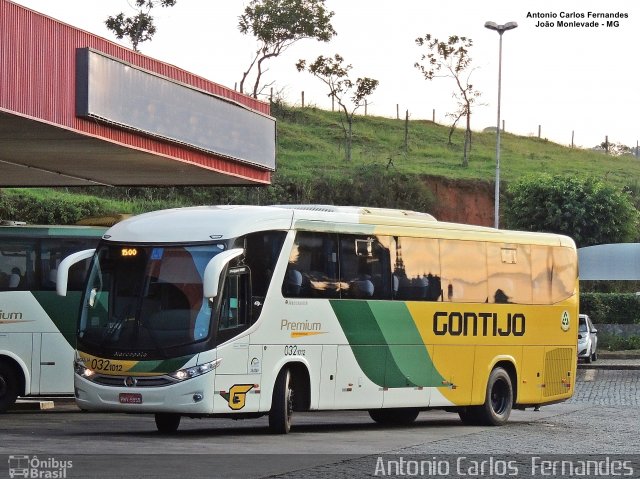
column 361, row 289
column 293, row 283
column 169, row 325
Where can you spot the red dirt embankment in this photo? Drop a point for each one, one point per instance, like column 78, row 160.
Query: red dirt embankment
column 462, row 201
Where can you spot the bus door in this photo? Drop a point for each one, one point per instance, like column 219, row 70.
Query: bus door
column 327, row 389
column 240, row 369
column 56, row 364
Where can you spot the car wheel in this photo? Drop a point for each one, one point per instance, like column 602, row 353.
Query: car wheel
column 594, row 356
column 588, row 357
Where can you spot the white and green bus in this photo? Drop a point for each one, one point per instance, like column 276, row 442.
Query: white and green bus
column 37, row 326
column 248, row 311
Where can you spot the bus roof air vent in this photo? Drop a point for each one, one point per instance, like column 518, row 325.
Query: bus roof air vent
column 383, row 212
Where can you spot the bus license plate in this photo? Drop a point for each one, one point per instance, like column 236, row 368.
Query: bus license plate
column 130, row 398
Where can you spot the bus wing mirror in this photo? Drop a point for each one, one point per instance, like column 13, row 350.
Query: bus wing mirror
column 211, row 280
column 62, row 277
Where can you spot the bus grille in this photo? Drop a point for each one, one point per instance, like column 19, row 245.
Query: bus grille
column 557, row 371
column 141, row 381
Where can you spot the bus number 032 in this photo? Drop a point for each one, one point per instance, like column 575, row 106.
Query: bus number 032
column 293, row 350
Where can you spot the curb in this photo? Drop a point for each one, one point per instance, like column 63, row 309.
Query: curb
column 622, row 357
column 609, row 366
column 31, row 405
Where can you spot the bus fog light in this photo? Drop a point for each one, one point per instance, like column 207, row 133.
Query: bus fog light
column 197, row 397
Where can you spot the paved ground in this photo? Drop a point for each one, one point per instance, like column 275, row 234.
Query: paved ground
column 602, row 418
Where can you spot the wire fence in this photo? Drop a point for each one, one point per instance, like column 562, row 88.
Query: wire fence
column 609, row 148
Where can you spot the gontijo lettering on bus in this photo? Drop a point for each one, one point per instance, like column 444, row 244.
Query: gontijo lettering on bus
column 478, row 324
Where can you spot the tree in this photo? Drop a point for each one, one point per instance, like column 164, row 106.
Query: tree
column 278, row 24
column 586, row 209
column 140, row 27
column 614, row 149
column 334, row 74
column 453, row 60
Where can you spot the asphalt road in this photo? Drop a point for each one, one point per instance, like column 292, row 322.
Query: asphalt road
column 601, row 418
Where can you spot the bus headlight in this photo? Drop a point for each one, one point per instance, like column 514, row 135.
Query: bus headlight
column 81, row 370
column 195, row 371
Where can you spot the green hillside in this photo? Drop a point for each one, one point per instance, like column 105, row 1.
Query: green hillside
column 311, row 140
column 312, row 168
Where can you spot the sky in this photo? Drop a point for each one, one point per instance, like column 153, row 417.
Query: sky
column 580, row 80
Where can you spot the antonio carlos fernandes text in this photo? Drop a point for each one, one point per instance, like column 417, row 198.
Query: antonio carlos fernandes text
column 464, row 466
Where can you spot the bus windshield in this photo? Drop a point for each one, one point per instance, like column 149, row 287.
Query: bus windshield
column 146, row 298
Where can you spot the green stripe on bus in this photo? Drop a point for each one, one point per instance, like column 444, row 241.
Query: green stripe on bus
column 161, row 366
column 405, row 343
column 63, row 311
column 386, row 343
column 368, row 343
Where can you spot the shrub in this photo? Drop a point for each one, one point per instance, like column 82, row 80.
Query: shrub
column 614, row 342
column 586, row 209
column 49, row 211
column 611, row 308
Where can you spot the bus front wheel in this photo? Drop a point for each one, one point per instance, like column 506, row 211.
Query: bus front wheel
column 8, row 386
column 281, row 404
column 394, row 416
column 167, row 423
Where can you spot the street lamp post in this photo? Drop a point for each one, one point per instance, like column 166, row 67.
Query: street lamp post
column 500, row 29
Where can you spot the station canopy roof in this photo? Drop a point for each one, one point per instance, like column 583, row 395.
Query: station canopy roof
column 79, row 110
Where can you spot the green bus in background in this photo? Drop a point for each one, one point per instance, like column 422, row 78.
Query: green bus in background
column 38, row 327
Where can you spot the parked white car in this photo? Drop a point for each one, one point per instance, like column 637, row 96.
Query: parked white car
column 587, row 339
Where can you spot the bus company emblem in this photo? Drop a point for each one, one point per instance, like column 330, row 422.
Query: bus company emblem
column 130, row 382
column 237, row 395
column 565, row 323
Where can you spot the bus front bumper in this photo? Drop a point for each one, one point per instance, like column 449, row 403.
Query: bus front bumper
column 192, row 396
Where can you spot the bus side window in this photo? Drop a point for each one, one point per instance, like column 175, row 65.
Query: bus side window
column 416, row 269
column 313, row 267
column 464, row 271
column 234, row 312
column 365, row 267
column 18, row 263
column 509, row 273
column 52, row 252
column 262, row 251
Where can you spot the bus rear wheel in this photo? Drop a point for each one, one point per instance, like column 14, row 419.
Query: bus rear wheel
column 469, row 415
column 167, row 422
column 499, row 399
column 281, row 412
column 497, row 404
column 394, row 416
column 8, row 386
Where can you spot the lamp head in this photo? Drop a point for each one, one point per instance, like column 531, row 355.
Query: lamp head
column 500, row 28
